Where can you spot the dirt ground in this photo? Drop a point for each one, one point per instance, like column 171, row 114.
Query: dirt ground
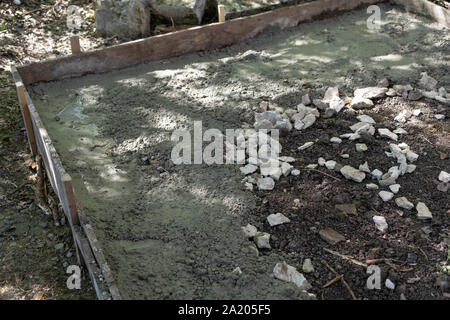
column 113, row 134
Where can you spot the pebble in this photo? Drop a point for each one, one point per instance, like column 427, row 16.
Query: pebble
column 295, row 172
column 380, row 223
column 370, row 92
column 395, row 188
column 262, row 240
column 410, row 168
column 366, row 119
column 337, row 104
column 321, row 161
column 305, row 146
column 400, row 131
column 404, row 203
column 331, row 93
column 345, row 156
column 361, row 103
column 248, row 169
column 312, row 166
column 364, row 167
column 353, row 174
column 59, row 247
column 372, row 186
column 416, row 112
column 308, row 121
column 423, row 212
column 361, row 147
column 330, row 164
column 444, row 177
column 336, row 140
column 249, row 231
column 266, row 183
column 386, row 195
column 331, row 236
column 286, row 159
column 307, row 266
column 285, row 272
column 306, row 100
column 387, row 134
column 286, row 168
column 277, row 219
column 389, row 284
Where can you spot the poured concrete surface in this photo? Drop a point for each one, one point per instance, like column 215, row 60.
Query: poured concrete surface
column 174, row 231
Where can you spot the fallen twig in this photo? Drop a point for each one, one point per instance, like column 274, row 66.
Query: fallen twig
column 345, row 257
column 342, row 279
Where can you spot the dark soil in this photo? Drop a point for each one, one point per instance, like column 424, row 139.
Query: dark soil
column 318, row 194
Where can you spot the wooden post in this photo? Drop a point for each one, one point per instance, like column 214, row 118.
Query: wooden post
column 221, row 9
column 68, row 188
column 75, row 44
column 27, row 118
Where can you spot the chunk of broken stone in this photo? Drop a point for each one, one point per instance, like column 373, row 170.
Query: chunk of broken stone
column 395, row 188
column 331, row 93
column 265, row 184
column 370, row 92
column 366, row 119
column 321, row 105
column 404, row 203
column 286, row 168
column 336, row 140
column 353, row 174
column 306, row 100
column 277, row 219
column 330, row 164
column 400, row 131
column 427, row 82
column 307, row 266
column 305, row 146
column 402, row 89
column 361, row 103
column 312, row 166
column 377, row 174
column 248, row 169
column 364, row 167
column 372, row 186
column 285, row 272
column 423, row 212
column 295, row 172
column 321, row 161
column 262, row 240
column 249, row 231
column 308, row 121
column 387, row 134
column 361, row 147
column 329, row 113
column 331, row 236
column 386, row 195
column 380, row 223
column 444, row 177
column 389, row 284
column 286, row 159
column 337, row 104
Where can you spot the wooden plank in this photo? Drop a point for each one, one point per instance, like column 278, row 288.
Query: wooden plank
column 71, row 201
column 426, row 8
column 24, row 110
column 75, row 44
column 200, row 38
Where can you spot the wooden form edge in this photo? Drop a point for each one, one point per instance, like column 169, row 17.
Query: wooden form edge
column 426, row 8
column 208, row 37
column 84, row 238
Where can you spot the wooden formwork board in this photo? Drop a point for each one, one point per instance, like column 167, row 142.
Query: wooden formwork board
column 132, row 53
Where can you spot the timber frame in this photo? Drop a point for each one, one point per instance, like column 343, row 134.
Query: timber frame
column 154, row 48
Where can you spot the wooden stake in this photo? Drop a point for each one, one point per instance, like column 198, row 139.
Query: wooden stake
column 67, row 180
column 221, row 9
column 27, row 119
column 75, row 44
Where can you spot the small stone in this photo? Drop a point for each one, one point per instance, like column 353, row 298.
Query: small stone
column 345, row 156
column 262, row 240
column 309, row 121
column 321, row 161
column 331, row 93
column 330, row 164
column 329, row 113
column 306, row 100
column 237, row 271
column 404, row 203
column 361, row 147
column 286, row 159
column 395, row 188
column 248, row 169
column 388, row 134
column 402, row 89
column 383, row 83
column 321, row 105
column 266, row 184
column 380, row 223
column 336, row 140
column 295, row 172
column 307, row 266
column 347, row 208
column 353, row 174
column 249, row 231
column 415, row 95
column 443, row 187
column 312, row 166
column 371, row 186
column 428, row 82
column 370, row 92
column 331, row 236
column 287, row 273
column 286, row 168
column 423, row 212
column 400, row 131
column 410, row 168
column 337, row 104
column 59, row 247
column 386, row 195
column 416, row 112
column 440, row 116
column 366, row 119
column 364, row 167
column 361, row 103
column 248, row 186
column 377, row 174
column 389, row 284
column 305, row 146
column 277, row 219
